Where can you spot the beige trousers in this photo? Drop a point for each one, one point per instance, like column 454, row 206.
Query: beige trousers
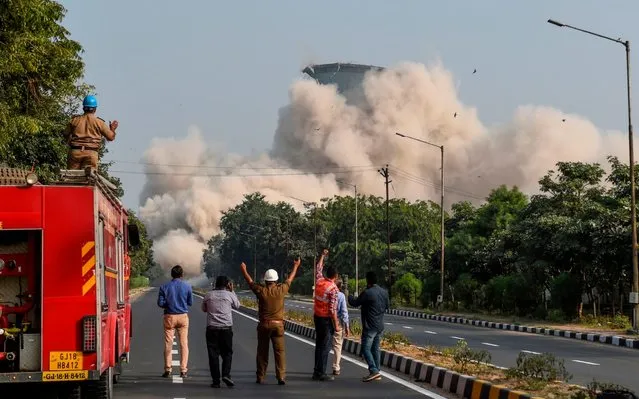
column 338, row 339
column 179, row 322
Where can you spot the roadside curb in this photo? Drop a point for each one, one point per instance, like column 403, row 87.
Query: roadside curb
column 591, row 337
column 463, row 386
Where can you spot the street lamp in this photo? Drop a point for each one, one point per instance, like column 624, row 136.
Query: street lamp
column 634, row 299
column 441, row 147
column 288, row 234
column 254, row 254
column 356, row 240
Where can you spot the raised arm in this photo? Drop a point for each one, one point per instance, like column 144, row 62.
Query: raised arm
column 247, row 276
column 319, row 267
column 291, row 276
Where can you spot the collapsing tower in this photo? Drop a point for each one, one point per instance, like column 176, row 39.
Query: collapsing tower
column 347, row 77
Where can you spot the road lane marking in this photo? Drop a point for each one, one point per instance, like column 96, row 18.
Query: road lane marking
column 531, row 352
column 391, row 377
column 430, row 332
column 174, row 351
column 489, row 344
column 585, row 362
column 408, row 327
column 388, row 324
column 454, row 337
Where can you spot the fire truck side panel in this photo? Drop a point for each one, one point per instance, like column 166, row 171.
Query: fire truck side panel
column 69, row 277
column 114, row 323
column 21, row 208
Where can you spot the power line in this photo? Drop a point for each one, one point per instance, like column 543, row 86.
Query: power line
column 239, row 167
column 195, row 174
column 418, row 180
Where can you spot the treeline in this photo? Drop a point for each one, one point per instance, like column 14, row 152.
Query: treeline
column 540, row 256
column 41, row 88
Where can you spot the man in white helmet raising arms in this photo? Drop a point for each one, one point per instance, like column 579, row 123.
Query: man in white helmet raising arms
column 270, row 297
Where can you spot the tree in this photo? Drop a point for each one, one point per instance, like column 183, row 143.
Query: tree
column 142, row 256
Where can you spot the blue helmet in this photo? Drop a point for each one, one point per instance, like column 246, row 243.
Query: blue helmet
column 90, row 102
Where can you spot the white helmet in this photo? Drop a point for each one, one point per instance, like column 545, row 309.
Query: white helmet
column 270, row 275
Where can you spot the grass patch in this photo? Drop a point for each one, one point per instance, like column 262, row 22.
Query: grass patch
column 138, row 282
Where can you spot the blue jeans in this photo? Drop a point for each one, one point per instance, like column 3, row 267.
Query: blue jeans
column 370, row 349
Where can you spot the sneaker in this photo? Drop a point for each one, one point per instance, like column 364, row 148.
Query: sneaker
column 166, row 374
column 323, row 377
column 372, row 377
column 214, row 385
column 228, row 381
column 183, row 375
column 281, row 382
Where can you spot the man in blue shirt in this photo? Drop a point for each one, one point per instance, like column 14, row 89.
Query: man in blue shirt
column 338, row 337
column 176, row 297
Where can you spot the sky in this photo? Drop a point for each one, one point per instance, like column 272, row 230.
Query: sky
column 160, row 67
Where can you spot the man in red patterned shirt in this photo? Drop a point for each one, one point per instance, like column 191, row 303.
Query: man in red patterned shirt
column 325, row 316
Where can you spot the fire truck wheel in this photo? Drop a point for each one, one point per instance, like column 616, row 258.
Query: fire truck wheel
column 101, row 389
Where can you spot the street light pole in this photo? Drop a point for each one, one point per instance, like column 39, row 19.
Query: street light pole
column 441, row 206
column 633, row 207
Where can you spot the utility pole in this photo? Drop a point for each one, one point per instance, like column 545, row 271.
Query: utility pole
column 384, row 173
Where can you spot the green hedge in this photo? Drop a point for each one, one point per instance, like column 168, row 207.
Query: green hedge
column 140, row 281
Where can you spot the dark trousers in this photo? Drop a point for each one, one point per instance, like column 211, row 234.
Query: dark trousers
column 273, row 332
column 219, row 342
column 324, row 331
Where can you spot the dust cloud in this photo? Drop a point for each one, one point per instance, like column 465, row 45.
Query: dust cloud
column 323, row 136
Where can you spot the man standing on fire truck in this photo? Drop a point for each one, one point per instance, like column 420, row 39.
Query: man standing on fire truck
column 84, row 136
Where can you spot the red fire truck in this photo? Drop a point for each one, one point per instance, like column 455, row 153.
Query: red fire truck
column 65, row 315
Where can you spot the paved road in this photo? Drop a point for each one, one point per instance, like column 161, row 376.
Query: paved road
column 141, row 378
column 584, row 360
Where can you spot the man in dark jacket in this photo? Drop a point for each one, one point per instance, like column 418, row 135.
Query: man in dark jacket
column 374, row 302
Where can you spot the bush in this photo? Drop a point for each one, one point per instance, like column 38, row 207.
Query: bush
column 512, row 293
column 538, row 370
column 139, row 281
column 351, row 286
column 617, row 322
column 395, row 339
column 565, row 294
column 556, row 316
column 467, row 290
column 408, row 288
column 464, row 356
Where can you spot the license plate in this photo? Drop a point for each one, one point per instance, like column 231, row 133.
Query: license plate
column 61, row 361
column 65, row 375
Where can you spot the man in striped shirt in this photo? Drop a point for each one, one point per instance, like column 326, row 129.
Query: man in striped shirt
column 325, row 316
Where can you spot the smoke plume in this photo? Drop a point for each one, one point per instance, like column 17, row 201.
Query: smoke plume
column 323, row 137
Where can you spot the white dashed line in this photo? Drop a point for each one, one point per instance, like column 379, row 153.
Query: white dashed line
column 176, row 379
column 430, row 332
column 489, row 344
column 585, row 362
column 388, row 324
column 408, row 327
column 531, row 352
column 454, row 337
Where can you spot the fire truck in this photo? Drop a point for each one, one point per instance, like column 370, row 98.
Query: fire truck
column 65, row 314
